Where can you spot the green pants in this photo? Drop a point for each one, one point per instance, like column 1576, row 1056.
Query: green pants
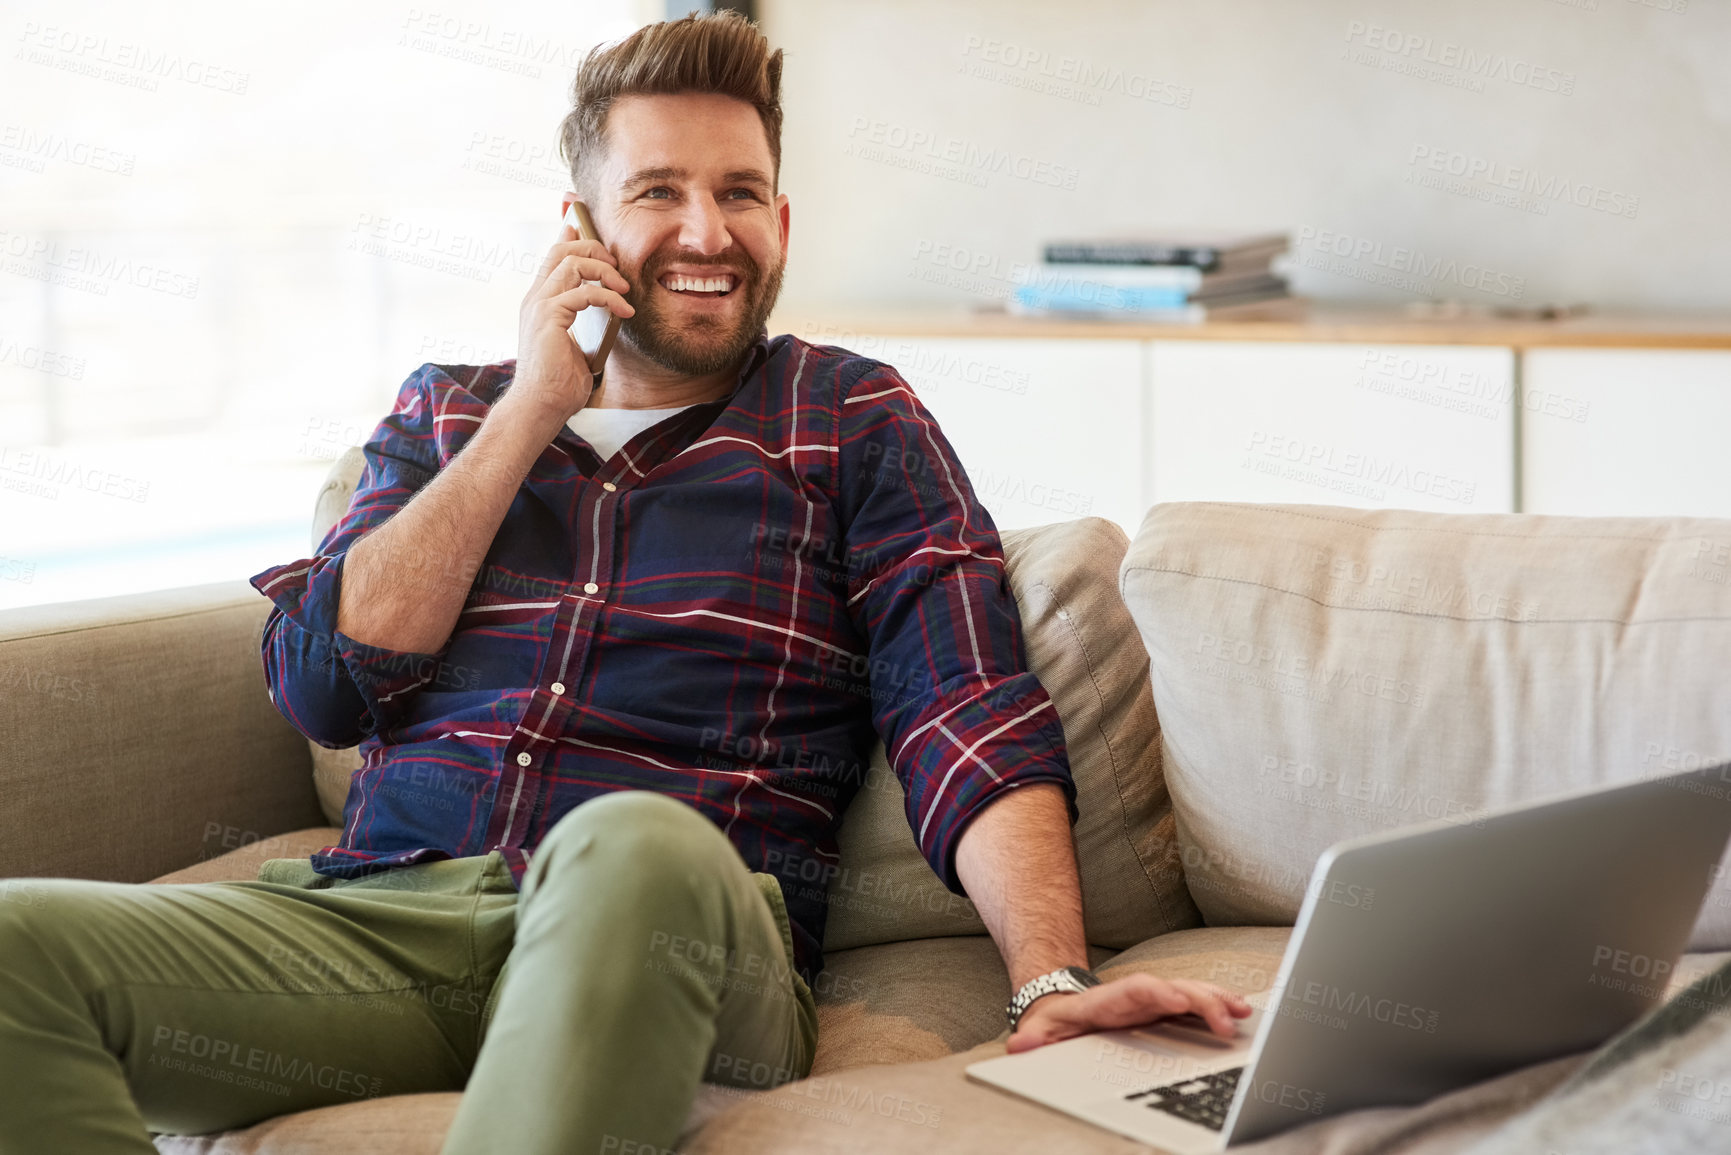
column 641, row 958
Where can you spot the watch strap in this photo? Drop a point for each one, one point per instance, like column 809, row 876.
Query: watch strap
column 1065, row 980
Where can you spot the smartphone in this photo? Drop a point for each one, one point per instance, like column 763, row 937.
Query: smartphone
column 593, row 334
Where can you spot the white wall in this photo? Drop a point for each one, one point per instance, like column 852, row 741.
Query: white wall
column 1263, row 114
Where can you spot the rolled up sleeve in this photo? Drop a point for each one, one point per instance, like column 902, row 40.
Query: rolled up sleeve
column 330, row 687
column 962, row 718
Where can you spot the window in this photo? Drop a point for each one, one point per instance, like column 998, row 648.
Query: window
column 225, row 241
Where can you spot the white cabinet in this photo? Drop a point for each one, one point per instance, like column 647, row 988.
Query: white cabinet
column 1389, row 426
column 1631, row 432
column 1052, row 429
column 1048, row 430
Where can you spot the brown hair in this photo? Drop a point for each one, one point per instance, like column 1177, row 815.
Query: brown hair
column 723, row 53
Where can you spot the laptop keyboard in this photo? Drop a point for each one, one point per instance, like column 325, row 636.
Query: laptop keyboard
column 1203, row 1100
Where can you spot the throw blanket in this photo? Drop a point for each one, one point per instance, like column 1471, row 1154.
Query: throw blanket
column 1661, row 1087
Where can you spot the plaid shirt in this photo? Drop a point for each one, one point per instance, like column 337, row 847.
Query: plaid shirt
column 729, row 611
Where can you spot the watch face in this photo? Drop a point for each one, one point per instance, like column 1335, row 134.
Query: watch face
column 1086, row 977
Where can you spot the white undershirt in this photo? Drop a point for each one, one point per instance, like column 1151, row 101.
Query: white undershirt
column 607, row 429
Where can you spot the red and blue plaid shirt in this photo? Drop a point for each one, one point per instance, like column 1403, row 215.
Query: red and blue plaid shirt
column 728, row 611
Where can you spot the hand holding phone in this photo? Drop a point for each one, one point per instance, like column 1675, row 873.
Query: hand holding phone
column 594, row 351
column 569, row 319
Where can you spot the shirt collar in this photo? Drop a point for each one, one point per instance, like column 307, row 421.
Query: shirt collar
column 755, row 356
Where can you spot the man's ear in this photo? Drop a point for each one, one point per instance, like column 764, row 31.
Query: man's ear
column 781, row 216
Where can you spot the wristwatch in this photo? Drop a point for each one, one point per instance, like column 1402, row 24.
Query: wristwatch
column 1069, row 980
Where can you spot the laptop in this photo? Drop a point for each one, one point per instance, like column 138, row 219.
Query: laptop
column 1423, row 959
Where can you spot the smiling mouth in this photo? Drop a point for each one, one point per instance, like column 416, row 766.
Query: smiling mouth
column 686, row 285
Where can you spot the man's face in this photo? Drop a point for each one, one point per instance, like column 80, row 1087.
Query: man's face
column 685, row 198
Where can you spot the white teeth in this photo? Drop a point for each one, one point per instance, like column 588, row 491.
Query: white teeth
column 680, row 283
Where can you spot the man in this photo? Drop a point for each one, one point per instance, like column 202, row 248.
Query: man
column 597, row 643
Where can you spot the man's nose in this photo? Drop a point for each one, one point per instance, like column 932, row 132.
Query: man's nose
column 704, row 228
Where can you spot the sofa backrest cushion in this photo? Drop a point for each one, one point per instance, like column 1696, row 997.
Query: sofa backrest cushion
column 1323, row 673
column 333, row 769
column 1080, row 643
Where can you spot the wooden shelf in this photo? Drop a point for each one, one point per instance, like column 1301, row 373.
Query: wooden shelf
column 1320, row 323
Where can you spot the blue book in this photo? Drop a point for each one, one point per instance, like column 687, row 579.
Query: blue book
column 1096, row 297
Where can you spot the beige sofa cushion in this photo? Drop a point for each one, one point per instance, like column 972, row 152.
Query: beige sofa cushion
column 138, row 734
column 1075, row 627
column 931, row 1106
column 914, row 1098
column 333, row 769
column 394, row 1125
column 1323, row 673
column 241, row 864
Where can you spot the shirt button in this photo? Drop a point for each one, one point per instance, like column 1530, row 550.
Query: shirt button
column 591, row 588
column 608, row 486
column 558, row 687
column 523, row 759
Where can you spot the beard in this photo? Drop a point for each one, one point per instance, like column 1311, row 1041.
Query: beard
column 698, row 346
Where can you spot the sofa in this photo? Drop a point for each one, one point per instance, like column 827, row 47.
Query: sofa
column 1239, row 686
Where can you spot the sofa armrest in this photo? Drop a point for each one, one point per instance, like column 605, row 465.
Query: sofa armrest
column 137, row 735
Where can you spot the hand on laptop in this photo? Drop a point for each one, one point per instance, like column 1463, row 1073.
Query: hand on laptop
column 1130, row 1001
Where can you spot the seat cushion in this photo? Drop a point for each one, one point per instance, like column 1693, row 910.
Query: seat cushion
column 930, row 1106
column 884, row 1079
column 241, row 864
column 906, row 1001
column 393, row 1125
column 890, row 1003
column 1325, row 673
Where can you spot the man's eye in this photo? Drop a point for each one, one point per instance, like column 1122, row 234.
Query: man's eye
column 742, row 194
column 659, row 192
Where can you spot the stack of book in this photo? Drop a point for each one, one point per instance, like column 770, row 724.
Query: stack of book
column 1173, row 278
